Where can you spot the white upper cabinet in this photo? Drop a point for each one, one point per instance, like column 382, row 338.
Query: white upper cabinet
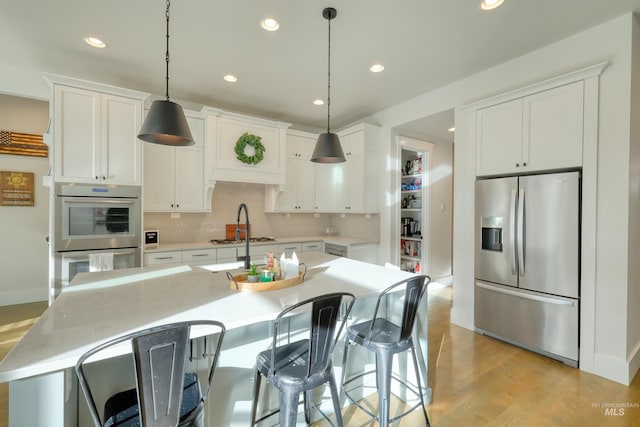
column 299, row 193
column 542, row 131
column 174, row 176
column 95, row 133
column 352, row 186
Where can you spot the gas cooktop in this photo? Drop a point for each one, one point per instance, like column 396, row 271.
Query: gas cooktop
column 232, row 241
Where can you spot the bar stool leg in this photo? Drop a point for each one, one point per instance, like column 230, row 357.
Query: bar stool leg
column 256, row 391
column 415, row 366
column 384, row 362
column 308, row 398
column 288, row 408
column 337, row 409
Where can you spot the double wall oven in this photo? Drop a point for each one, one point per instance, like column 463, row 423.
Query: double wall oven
column 93, row 223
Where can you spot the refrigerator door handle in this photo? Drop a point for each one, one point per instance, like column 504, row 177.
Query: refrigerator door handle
column 520, row 294
column 512, row 230
column 520, row 226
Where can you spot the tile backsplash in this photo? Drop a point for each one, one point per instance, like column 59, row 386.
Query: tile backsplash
column 227, row 196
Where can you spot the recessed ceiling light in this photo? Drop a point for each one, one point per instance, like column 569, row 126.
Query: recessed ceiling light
column 318, row 102
column 95, row 42
column 452, row 129
column 376, row 68
column 270, row 24
column 490, row 4
column 231, row 78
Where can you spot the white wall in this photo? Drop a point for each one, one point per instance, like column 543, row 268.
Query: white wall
column 607, row 42
column 24, row 258
column 633, row 300
column 440, row 210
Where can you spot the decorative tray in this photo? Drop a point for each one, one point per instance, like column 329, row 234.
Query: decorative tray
column 239, row 282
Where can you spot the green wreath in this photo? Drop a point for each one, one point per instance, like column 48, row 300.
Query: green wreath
column 253, row 141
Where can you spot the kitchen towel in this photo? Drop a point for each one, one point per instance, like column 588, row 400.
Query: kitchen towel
column 101, row 261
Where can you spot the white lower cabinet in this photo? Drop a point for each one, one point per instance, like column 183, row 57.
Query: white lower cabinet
column 199, row 256
column 312, row 246
column 288, row 249
column 158, row 258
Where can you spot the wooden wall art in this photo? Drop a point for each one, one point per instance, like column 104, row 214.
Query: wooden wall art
column 23, row 144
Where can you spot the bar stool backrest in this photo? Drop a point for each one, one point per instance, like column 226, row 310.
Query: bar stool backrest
column 159, row 357
column 159, row 364
column 415, row 288
column 323, row 335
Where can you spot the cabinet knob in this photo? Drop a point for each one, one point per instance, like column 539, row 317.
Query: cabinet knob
column 517, row 165
column 97, row 177
column 171, row 204
column 177, row 205
column 104, row 177
column 524, row 164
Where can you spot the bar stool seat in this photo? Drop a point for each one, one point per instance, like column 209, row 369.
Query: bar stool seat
column 386, row 339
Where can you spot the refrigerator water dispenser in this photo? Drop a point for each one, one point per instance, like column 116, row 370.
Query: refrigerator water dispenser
column 492, row 233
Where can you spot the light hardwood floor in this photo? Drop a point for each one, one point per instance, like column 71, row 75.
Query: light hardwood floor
column 476, row 380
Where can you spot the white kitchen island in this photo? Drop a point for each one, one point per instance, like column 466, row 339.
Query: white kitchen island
column 100, row 306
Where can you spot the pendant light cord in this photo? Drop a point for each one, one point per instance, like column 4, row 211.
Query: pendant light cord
column 167, row 51
column 329, row 81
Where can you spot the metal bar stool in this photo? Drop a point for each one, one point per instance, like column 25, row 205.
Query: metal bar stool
column 165, row 395
column 386, row 339
column 300, row 366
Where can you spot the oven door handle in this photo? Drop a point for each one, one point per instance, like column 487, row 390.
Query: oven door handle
column 100, row 200
column 85, row 257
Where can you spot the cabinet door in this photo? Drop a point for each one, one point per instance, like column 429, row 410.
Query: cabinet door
column 499, row 139
column 121, row 150
column 77, row 134
column 189, row 170
column 159, row 165
column 288, row 199
column 188, row 179
column 553, row 126
column 351, row 196
column 306, row 175
column 330, row 182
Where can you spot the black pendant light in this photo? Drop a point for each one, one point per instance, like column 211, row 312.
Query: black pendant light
column 165, row 123
column 328, row 148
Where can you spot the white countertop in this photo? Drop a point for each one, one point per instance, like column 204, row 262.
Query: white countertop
column 340, row 240
column 103, row 305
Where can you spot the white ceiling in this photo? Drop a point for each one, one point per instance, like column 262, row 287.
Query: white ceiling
column 423, row 44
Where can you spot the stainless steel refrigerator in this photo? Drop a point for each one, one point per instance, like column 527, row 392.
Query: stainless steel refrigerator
column 527, row 263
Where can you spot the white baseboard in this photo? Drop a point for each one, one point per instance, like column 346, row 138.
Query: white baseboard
column 612, row 368
column 634, row 363
column 23, row 296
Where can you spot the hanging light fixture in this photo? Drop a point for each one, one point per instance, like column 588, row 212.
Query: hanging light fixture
column 328, row 148
column 165, row 123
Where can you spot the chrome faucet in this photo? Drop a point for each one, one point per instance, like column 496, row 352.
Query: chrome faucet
column 247, row 258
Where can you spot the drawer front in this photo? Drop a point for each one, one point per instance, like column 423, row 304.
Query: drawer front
column 533, row 320
column 289, row 248
column 156, row 258
column 199, row 256
column 312, row 247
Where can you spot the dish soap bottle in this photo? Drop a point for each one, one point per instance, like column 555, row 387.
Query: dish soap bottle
column 417, row 268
